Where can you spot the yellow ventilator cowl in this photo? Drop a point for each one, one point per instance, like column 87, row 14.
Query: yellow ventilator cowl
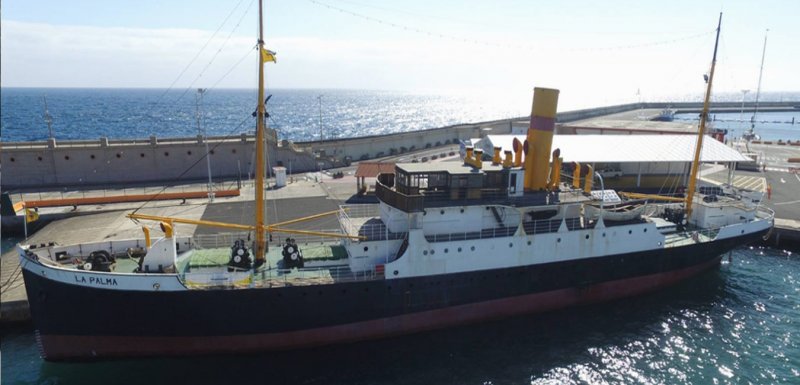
column 540, row 138
column 551, row 182
column 468, row 155
column 587, row 185
column 557, row 184
column 167, row 229
column 576, row 175
column 496, row 156
column 509, row 159
column 146, row 231
column 517, row 152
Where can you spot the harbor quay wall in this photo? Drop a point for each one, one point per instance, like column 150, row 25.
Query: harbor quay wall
column 104, row 162
column 377, row 146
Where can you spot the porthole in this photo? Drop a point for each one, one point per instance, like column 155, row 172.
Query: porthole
column 587, row 236
column 66, row 157
column 211, row 152
column 433, row 251
column 166, row 153
column 630, row 231
column 645, row 230
column 39, row 158
column 366, row 248
column 424, row 252
column 12, row 159
column 233, row 151
column 441, row 212
column 510, row 245
column 604, row 235
column 91, row 156
column 459, row 249
column 119, row 155
column 462, row 211
column 445, row 250
column 558, row 240
column 188, row 153
column 529, row 243
column 742, row 231
column 141, row 155
column 472, row 248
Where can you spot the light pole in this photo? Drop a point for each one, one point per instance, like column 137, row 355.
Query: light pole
column 319, row 98
column 48, row 119
column 201, row 131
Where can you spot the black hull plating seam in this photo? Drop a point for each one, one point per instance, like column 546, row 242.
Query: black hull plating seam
column 65, row 309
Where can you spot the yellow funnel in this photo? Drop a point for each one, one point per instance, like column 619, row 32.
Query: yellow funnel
column 540, row 138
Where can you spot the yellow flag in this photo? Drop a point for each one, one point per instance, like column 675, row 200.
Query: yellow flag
column 267, row 56
column 31, row 215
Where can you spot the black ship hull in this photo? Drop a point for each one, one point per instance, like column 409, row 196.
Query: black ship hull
column 79, row 322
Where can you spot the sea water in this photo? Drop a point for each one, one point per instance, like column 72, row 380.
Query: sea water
column 737, row 324
column 299, row 115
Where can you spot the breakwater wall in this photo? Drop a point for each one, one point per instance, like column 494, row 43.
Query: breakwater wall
column 102, row 162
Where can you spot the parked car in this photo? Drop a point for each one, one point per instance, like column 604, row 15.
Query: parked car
column 610, row 172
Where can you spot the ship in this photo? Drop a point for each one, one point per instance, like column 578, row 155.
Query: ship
column 666, row 115
column 449, row 243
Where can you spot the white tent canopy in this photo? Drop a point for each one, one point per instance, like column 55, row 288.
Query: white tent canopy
column 625, row 148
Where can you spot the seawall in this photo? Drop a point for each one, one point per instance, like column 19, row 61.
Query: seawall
column 102, row 162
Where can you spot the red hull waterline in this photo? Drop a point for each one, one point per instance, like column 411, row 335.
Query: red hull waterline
column 60, row 347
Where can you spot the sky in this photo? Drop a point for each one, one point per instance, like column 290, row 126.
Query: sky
column 597, row 52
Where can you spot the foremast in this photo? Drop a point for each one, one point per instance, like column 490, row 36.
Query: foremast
column 701, row 130
column 260, row 242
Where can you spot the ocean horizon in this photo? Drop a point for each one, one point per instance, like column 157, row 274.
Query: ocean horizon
column 297, row 114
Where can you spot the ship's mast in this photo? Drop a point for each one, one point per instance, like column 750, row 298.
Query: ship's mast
column 260, row 246
column 702, row 128
column 758, row 90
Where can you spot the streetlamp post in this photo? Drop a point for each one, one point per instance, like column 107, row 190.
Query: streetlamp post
column 201, row 131
column 319, row 98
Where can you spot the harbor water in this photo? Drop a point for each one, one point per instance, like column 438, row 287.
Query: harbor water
column 768, row 125
column 734, row 325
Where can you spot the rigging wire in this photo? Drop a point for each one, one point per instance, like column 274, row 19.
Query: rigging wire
column 191, row 62
column 191, row 166
column 504, row 45
column 213, row 58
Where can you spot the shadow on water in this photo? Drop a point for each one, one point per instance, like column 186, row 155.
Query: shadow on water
column 508, row 351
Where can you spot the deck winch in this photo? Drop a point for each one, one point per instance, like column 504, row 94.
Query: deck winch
column 240, row 256
column 99, row 260
column 292, row 256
